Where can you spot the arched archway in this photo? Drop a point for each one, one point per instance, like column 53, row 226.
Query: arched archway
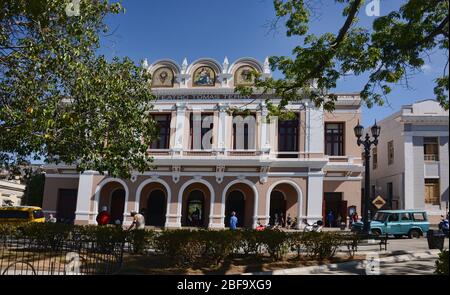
column 144, row 204
column 185, row 193
column 235, row 203
column 284, row 196
column 104, row 190
column 244, row 198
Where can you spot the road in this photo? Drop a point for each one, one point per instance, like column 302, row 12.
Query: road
column 404, row 257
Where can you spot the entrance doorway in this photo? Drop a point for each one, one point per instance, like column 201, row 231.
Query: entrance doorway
column 277, row 208
column 67, row 204
column 195, row 209
column 334, row 209
column 117, row 205
column 432, row 195
column 156, row 208
column 235, row 202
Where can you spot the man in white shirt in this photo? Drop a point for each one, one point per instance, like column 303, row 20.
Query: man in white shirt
column 138, row 221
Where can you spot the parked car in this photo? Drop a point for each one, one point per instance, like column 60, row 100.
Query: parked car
column 21, row 214
column 399, row 223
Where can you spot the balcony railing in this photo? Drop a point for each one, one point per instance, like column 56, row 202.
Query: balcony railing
column 338, row 158
column 242, row 153
column 198, row 153
column 159, row 152
column 431, row 157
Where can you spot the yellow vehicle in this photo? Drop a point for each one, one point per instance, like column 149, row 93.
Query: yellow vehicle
column 21, row 214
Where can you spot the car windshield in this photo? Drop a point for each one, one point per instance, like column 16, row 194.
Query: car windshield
column 380, row 216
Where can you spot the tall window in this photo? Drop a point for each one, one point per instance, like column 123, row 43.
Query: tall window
column 334, row 139
column 390, row 147
column 431, row 149
column 163, row 122
column 199, row 140
column 375, row 158
column 390, row 194
column 288, row 137
column 244, row 132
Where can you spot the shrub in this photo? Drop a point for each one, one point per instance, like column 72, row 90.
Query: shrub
column 249, row 242
column 275, row 242
column 296, row 242
column 218, row 245
column 321, row 245
column 45, row 236
column 442, row 263
column 141, row 240
column 181, row 247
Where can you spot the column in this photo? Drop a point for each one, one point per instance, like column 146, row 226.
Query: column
column 84, row 197
column 222, row 131
column 179, row 128
column 315, row 197
column 264, row 131
column 314, row 142
column 409, row 172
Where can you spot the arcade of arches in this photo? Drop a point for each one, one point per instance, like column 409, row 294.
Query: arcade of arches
column 202, row 202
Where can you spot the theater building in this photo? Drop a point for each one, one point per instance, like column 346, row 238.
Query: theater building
column 302, row 166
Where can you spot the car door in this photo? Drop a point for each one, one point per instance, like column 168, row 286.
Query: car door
column 393, row 224
column 406, row 222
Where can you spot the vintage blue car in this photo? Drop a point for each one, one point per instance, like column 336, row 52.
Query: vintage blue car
column 412, row 223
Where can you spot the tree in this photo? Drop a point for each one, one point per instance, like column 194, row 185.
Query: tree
column 59, row 100
column 393, row 48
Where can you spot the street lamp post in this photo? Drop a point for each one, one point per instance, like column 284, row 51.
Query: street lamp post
column 367, row 144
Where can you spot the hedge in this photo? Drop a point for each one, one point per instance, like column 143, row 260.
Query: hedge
column 188, row 247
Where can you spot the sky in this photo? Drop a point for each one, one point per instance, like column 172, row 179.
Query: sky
column 176, row 29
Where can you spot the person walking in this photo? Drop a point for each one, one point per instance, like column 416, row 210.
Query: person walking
column 138, row 221
column 330, row 218
column 103, row 217
column 288, row 221
column 233, row 221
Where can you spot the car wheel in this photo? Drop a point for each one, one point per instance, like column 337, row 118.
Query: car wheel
column 398, row 236
column 376, row 232
column 414, row 234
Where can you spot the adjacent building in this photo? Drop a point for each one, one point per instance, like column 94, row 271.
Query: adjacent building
column 301, row 166
column 11, row 192
column 409, row 167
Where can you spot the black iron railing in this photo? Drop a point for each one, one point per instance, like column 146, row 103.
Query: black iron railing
column 69, row 255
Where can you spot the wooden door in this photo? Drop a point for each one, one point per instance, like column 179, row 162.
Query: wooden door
column 432, row 193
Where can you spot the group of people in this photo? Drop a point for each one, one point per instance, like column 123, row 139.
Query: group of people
column 278, row 221
column 104, row 218
column 331, row 221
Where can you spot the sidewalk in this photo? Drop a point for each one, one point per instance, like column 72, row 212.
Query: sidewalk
column 410, row 263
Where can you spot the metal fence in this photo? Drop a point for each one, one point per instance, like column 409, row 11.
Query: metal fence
column 73, row 255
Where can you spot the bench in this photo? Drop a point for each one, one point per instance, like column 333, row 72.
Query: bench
column 353, row 241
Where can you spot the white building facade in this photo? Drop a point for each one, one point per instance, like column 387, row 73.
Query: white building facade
column 299, row 167
column 409, row 167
